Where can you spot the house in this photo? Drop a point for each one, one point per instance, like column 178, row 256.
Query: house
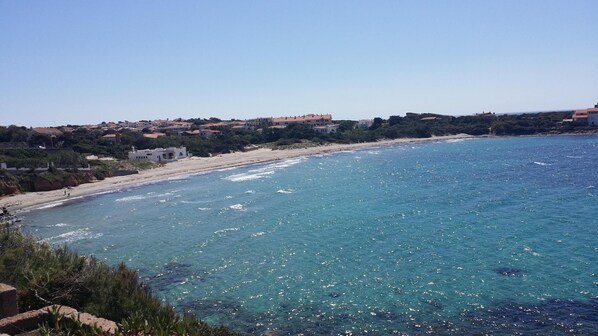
column 260, row 122
column 326, row 129
column 365, row 123
column 51, row 131
column 308, row 119
column 587, row 116
column 580, row 116
column 593, row 117
column 155, row 135
column 169, row 154
column 110, row 137
column 208, row 133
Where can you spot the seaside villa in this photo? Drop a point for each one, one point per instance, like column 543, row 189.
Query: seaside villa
column 587, row 116
column 169, row 154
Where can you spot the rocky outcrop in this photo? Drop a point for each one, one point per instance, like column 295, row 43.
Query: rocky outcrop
column 9, row 184
column 44, row 182
column 9, row 187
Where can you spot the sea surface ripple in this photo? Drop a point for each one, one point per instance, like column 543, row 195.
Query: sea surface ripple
column 486, row 236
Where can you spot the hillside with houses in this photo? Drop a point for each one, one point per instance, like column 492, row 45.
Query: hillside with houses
column 46, row 158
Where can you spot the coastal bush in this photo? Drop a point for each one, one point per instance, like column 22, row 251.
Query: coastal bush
column 44, row 276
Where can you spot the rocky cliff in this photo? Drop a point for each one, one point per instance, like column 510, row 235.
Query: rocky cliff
column 14, row 184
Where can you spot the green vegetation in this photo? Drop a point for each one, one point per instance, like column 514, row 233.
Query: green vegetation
column 45, row 276
column 22, row 147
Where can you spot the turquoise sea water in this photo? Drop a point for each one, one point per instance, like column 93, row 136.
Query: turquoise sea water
column 483, row 236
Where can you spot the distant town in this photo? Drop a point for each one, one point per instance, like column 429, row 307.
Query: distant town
column 69, row 155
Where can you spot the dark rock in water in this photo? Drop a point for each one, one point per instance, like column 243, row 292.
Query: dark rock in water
column 210, row 307
column 385, row 315
column 435, row 304
column 172, row 272
column 551, row 317
column 509, row 271
column 335, row 294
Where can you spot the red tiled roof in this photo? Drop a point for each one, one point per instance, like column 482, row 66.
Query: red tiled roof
column 153, row 135
column 47, row 130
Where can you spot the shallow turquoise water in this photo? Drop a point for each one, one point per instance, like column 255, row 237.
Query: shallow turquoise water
column 496, row 236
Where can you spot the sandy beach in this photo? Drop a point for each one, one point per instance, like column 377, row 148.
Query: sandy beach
column 192, row 165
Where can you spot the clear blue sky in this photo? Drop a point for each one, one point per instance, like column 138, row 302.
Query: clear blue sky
column 78, row 62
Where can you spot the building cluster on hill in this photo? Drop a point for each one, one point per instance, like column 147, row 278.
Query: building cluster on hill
column 322, row 123
column 587, row 116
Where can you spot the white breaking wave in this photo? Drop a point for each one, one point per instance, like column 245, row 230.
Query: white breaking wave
column 193, row 202
column 61, row 225
column 263, row 172
column 226, row 230
column 257, row 234
column 285, row 191
column 458, row 140
column 238, row 207
column 73, row 236
column 204, row 209
column 142, row 197
column 247, row 176
column 539, row 163
column 49, row 205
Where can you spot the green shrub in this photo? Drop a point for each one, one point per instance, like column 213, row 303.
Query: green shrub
column 44, row 276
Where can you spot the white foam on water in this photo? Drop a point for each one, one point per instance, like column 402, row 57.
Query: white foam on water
column 265, row 171
column 250, row 192
column 72, row 236
column 61, row 225
column 457, row 140
column 178, row 178
column 143, row 197
column 285, row 191
column 193, row 202
column 248, row 177
column 131, row 198
column 257, row 234
column 227, row 230
column 204, row 209
column 49, row 205
column 238, row 207
column 540, row 163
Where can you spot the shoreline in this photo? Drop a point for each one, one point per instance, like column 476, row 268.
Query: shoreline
column 190, row 166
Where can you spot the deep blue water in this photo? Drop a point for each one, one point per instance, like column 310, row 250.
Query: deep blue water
column 485, row 236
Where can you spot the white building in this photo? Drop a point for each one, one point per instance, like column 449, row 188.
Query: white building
column 326, row 129
column 169, row 154
column 365, row 123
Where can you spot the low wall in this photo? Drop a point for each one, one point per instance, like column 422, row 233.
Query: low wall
column 12, row 323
